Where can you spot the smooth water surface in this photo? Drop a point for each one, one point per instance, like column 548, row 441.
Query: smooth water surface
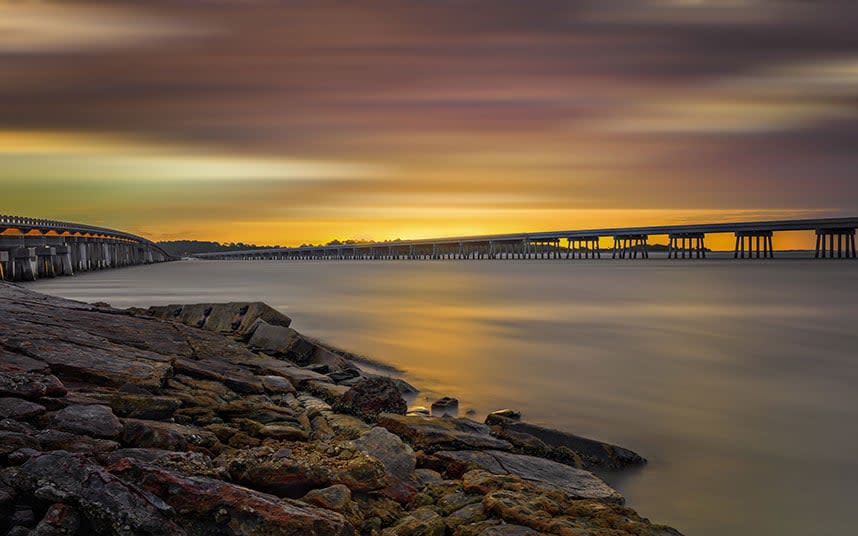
column 738, row 381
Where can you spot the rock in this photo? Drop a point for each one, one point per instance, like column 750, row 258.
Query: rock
column 239, row 318
column 282, row 341
column 419, row 411
column 59, row 520
column 343, row 375
column 164, row 435
column 577, row 483
column 92, row 420
column 18, row 363
column 329, row 392
column 561, row 446
column 296, row 375
column 421, row 522
column 509, row 530
column 398, row 459
column 426, row 476
column 187, row 463
column 445, row 406
column 337, row 498
column 277, row 385
column 441, row 433
column 370, row 397
column 454, row 501
column 335, row 362
column 19, row 409
column 549, row 509
column 505, row 413
column 108, row 504
column 471, row 513
column 284, row 432
column 59, row 440
column 208, row 506
column 12, row 441
column 30, row 385
column 139, row 406
column 21, row 456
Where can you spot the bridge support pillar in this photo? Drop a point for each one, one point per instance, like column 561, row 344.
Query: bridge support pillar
column 835, row 243
column 630, row 245
column 583, row 247
column 691, row 244
column 24, row 264
column 4, row 263
column 757, row 243
column 45, row 261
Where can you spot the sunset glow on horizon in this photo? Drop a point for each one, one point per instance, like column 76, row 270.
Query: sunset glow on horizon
column 303, row 122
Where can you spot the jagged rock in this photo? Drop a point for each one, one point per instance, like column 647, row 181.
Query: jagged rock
column 370, row 397
column 277, row 385
column 304, row 469
column 167, row 436
column 561, row 446
column 108, row 504
column 470, row 513
column 59, row 440
column 91, row 420
column 30, row 385
column 423, row 521
column 206, row 506
column 337, row 498
column 439, row 433
column 398, row 459
column 59, row 520
column 578, row 483
column 282, row 341
column 139, row 406
column 12, row 441
column 19, row 409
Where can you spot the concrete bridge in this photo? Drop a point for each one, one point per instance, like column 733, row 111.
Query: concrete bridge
column 835, row 238
column 33, row 248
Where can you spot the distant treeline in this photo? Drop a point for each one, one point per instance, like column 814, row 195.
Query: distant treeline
column 183, row 248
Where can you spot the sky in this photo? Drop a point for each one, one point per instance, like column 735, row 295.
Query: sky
column 308, row 120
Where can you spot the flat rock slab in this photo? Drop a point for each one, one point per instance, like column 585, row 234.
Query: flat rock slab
column 91, row 420
column 578, row 483
column 441, row 433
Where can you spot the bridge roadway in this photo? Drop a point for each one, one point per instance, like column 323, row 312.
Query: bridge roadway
column 35, row 248
column 835, row 238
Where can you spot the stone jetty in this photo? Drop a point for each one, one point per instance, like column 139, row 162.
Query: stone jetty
column 221, row 419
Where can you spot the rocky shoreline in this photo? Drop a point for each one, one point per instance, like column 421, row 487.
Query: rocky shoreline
column 220, row 419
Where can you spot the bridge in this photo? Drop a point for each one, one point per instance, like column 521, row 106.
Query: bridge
column 34, row 248
column 835, row 238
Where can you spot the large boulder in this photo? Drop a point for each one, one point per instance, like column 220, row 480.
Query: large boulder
column 398, row 459
column 283, row 342
column 108, row 504
column 207, row 506
column 92, row 420
column 441, row 433
column 371, row 397
column 561, row 446
column 576, row 483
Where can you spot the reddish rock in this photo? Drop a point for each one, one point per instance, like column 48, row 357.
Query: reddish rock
column 207, row 506
column 59, row 520
column 108, row 504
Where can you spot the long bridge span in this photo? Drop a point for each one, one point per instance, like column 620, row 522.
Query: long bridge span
column 835, row 238
column 33, row 248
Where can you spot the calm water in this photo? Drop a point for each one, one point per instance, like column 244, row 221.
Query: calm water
column 739, row 382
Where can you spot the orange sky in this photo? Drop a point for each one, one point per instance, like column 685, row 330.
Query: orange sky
column 284, row 123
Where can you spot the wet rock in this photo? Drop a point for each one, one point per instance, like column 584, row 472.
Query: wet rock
column 371, row 397
column 423, row 521
column 59, row 440
column 561, row 446
column 108, row 504
column 208, row 506
column 577, row 483
column 441, row 433
column 505, row 413
column 59, row 520
column 445, row 406
column 19, row 409
column 30, row 385
column 91, row 420
column 398, row 459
